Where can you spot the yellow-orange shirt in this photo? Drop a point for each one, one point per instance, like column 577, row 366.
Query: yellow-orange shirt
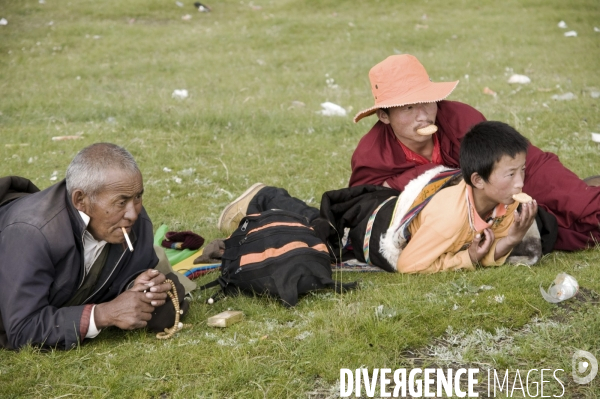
column 442, row 232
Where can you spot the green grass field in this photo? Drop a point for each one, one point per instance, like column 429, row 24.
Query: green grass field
column 257, row 73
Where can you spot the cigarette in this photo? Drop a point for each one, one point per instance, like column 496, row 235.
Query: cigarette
column 127, row 239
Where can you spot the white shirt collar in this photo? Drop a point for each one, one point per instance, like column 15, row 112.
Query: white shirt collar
column 86, row 218
column 91, row 250
column 91, row 247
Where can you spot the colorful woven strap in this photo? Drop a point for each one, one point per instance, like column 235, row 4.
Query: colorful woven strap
column 440, row 181
column 370, row 229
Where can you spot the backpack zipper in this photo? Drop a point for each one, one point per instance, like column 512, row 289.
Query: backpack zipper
column 277, row 230
column 278, row 212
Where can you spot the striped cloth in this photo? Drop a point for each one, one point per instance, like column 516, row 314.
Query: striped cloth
column 436, row 184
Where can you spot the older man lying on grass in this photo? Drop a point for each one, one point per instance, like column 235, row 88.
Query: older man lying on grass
column 66, row 270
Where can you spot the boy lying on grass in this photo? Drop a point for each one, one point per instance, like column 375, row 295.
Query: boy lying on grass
column 474, row 222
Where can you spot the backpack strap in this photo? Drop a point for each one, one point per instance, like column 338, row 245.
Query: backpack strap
column 213, row 283
column 219, row 294
column 343, row 287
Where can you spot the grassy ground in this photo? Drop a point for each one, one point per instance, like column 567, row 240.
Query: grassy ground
column 257, row 73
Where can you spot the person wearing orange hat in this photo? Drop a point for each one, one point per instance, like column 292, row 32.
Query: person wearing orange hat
column 406, row 100
column 404, row 143
column 440, row 222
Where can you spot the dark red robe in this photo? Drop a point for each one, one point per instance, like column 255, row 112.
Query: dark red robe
column 576, row 206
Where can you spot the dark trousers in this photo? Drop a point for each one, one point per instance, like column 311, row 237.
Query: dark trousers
column 278, row 198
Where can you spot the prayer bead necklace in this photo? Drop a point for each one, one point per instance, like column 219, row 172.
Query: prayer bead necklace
column 169, row 332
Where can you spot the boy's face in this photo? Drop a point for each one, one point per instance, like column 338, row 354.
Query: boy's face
column 505, row 180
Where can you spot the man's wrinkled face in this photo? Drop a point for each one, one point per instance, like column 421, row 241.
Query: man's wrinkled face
column 117, row 205
column 407, row 119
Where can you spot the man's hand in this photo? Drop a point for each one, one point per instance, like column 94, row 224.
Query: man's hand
column 152, row 283
column 481, row 245
column 133, row 308
column 128, row 311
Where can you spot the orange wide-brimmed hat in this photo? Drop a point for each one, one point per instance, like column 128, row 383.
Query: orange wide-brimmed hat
column 400, row 80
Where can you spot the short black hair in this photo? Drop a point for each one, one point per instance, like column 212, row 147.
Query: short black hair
column 485, row 144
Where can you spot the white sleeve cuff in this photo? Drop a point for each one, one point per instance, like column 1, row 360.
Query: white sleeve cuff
column 92, row 330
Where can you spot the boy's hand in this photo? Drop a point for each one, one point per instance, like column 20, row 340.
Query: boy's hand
column 481, row 245
column 522, row 222
column 517, row 230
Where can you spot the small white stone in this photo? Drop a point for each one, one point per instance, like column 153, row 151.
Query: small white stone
column 520, row 79
column 331, row 109
column 568, row 96
column 211, row 301
column 180, row 326
column 180, row 94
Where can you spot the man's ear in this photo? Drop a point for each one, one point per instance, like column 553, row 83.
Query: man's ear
column 81, row 201
column 383, row 116
column 477, row 181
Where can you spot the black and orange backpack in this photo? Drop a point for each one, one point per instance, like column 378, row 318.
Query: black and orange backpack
column 275, row 253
